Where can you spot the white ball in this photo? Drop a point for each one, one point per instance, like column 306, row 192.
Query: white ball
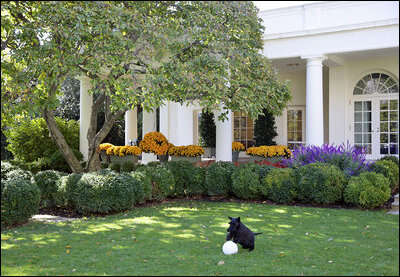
column 229, row 248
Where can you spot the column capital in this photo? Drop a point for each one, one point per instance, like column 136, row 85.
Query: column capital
column 316, row 57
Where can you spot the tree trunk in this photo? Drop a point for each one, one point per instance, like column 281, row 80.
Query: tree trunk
column 62, row 144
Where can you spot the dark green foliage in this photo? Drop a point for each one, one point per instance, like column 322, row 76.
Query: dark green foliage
column 185, row 176
column 57, row 161
column 320, row 183
column 263, row 171
column 66, row 190
column 127, row 167
column 115, row 166
column 391, row 158
column 218, row 180
column 19, row 201
column 197, row 186
column 368, row 190
column 104, row 165
column 162, row 180
column 207, row 128
column 280, row 185
column 69, row 99
column 246, row 182
column 144, row 186
column 390, row 170
column 5, row 168
column 101, row 193
column 40, row 164
column 265, row 129
column 48, row 181
column 30, row 140
column 5, row 154
column 19, row 174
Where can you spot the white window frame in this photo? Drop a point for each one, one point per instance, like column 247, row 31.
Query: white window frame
column 303, row 125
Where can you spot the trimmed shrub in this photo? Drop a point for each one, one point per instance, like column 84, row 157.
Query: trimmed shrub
column 162, row 181
column 390, row 170
column 5, row 168
column 184, row 174
column 101, row 193
column 218, row 178
column 279, row 185
column 320, row 183
column 391, row 158
column 197, row 186
column 115, row 166
column 48, row 181
column 369, row 190
column 263, row 171
column 19, row 201
column 66, row 190
column 40, row 164
column 127, row 167
column 246, row 182
column 19, row 174
column 143, row 192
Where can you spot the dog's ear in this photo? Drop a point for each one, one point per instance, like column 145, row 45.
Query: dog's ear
column 230, row 217
column 238, row 219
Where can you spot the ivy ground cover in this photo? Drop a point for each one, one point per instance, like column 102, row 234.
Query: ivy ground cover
column 186, row 238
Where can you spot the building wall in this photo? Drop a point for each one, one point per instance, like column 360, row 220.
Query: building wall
column 341, row 85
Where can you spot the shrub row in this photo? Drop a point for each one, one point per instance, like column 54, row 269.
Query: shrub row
column 108, row 191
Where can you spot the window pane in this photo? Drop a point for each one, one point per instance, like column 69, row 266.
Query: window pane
column 358, row 138
column 367, row 127
column 299, row 115
column 384, row 105
column 290, row 115
column 367, row 138
column 384, row 126
column 384, row 138
column 291, row 136
column 384, row 116
column 393, row 116
column 357, row 91
column 394, row 89
column 394, row 138
column 393, row 105
column 299, row 125
column 367, row 105
column 236, row 122
column 384, row 148
column 358, row 106
column 394, row 127
column 358, row 117
column 367, row 116
column 358, row 127
column 360, row 84
column 394, row 149
column 299, row 136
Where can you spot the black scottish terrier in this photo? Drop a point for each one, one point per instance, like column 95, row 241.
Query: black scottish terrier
column 240, row 234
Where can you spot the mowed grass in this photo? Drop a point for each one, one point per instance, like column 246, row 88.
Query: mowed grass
column 186, row 238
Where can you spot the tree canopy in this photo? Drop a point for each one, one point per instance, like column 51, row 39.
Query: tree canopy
column 134, row 52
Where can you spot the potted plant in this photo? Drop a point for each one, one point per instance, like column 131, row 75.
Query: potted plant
column 273, row 153
column 236, row 148
column 156, row 143
column 191, row 153
column 120, row 154
column 102, row 150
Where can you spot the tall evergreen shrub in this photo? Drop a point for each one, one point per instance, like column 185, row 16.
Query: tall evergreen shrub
column 265, row 129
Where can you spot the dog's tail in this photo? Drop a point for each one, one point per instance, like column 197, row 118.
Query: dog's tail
column 257, row 234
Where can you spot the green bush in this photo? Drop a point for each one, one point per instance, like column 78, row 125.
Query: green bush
column 19, row 174
column 19, row 201
column 57, row 162
column 29, row 139
column 218, row 178
column 40, row 164
column 5, row 168
column 391, row 158
column 263, row 171
column 115, row 166
column 197, row 186
column 246, row 182
column 279, row 185
column 320, row 183
column 48, row 181
column 127, row 167
column 187, row 179
column 368, row 190
column 105, row 193
column 144, row 186
column 66, row 190
column 390, row 170
column 162, row 181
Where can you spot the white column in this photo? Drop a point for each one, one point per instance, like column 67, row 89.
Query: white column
column 223, row 147
column 314, row 101
column 130, row 126
column 149, row 125
column 181, row 124
column 85, row 111
column 164, row 126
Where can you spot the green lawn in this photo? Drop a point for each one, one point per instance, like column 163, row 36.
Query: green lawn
column 186, row 237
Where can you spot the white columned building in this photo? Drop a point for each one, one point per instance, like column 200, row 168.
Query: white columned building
column 149, row 125
column 130, row 126
column 85, row 111
column 314, row 101
column 223, row 146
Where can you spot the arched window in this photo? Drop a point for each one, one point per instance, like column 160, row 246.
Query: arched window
column 376, row 83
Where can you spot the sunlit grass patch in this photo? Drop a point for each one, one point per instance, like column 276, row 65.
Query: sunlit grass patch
column 186, row 237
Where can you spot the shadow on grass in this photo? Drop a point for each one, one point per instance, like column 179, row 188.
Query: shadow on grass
column 186, row 237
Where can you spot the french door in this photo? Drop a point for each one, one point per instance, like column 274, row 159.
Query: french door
column 376, row 125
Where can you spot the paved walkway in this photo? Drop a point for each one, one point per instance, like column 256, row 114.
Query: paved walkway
column 51, row 218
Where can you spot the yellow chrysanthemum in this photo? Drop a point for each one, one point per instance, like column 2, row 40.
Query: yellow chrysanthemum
column 154, row 142
column 269, row 151
column 237, row 146
column 186, row 151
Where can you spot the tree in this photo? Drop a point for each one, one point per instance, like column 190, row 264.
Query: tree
column 139, row 52
column 208, row 128
column 265, row 129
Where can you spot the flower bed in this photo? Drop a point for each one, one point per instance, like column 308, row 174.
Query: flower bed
column 274, row 153
column 155, row 142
